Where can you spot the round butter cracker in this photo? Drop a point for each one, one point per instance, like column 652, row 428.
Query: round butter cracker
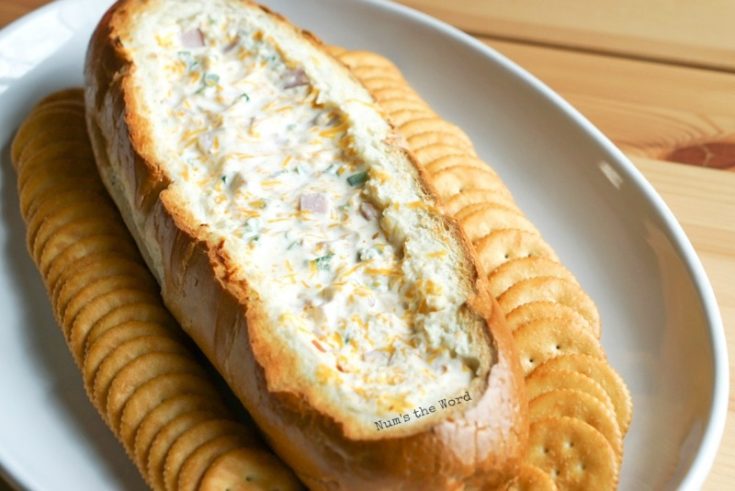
column 54, row 159
column 458, row 159
column 573, row 453
column 541, row 382
column 470, row 210
column 432, row 125
column 96, row 265
column 438, row 149
column 533, row 311
column 192, row 439
column 452, row 181
column 196, row 464
column 65, row 237
column 531, row 478
column 98, row 307
column 143, row 369
column 29, row 128
column 54, row 166
column 576, row 404
column 115, row 362
column 504, row 245
column 158, row 390
column 551, row 289
column 143, row 312
column 164, row 440
column 399, row 92
column 603, row 374
column 418, row 143
column 245, row 468
column 455, row 204
column 355, row 59
column 49, row 207
column 95, row 352
column 382, row 82
column 484, row 221
column 53, row 145
column 31, row 194
column 54, row 119
column 195, row 395
column 543, row 339
column 397, row 104
column 402, row 116
column 77, row 280
column 70, row 221
column 68, row 308
column 523, row 268
column 364, row 72
column 84, row 250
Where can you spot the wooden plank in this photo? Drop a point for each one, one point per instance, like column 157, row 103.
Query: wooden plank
column 10, row 10
column 704, row 203
column 666, row 112
column 695, row 33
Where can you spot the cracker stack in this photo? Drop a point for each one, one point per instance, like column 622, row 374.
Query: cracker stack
column 579, row 407
column 139, row 370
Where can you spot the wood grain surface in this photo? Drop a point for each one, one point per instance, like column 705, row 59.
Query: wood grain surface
column 657, row 77
column 667, row 112
column 697, row 33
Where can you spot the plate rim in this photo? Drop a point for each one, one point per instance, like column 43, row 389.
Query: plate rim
column 709, row 445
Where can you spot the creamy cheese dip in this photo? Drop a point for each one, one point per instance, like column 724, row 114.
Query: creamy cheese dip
column 271, row 167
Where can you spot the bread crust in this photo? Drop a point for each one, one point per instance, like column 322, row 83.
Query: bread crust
column 479, row 450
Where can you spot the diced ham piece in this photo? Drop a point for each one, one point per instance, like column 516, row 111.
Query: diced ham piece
column 192, row 38
column 296, row 78
column 318, row 315
column 368, row 211
column 314, row 202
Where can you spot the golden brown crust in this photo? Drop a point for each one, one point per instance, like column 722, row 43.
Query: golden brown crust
column 481, row 448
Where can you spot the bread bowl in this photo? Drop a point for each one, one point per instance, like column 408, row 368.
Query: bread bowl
column 335, row 367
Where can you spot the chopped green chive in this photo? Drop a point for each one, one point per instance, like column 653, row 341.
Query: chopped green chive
column 252, row 225
column 211, row 79
column 367, row 254
column 188, row 58
column 357, row 179
column 322, row 262
column 208, row 80
column 224, row 179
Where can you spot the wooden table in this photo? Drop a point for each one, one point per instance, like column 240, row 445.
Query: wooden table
column 658, row 77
